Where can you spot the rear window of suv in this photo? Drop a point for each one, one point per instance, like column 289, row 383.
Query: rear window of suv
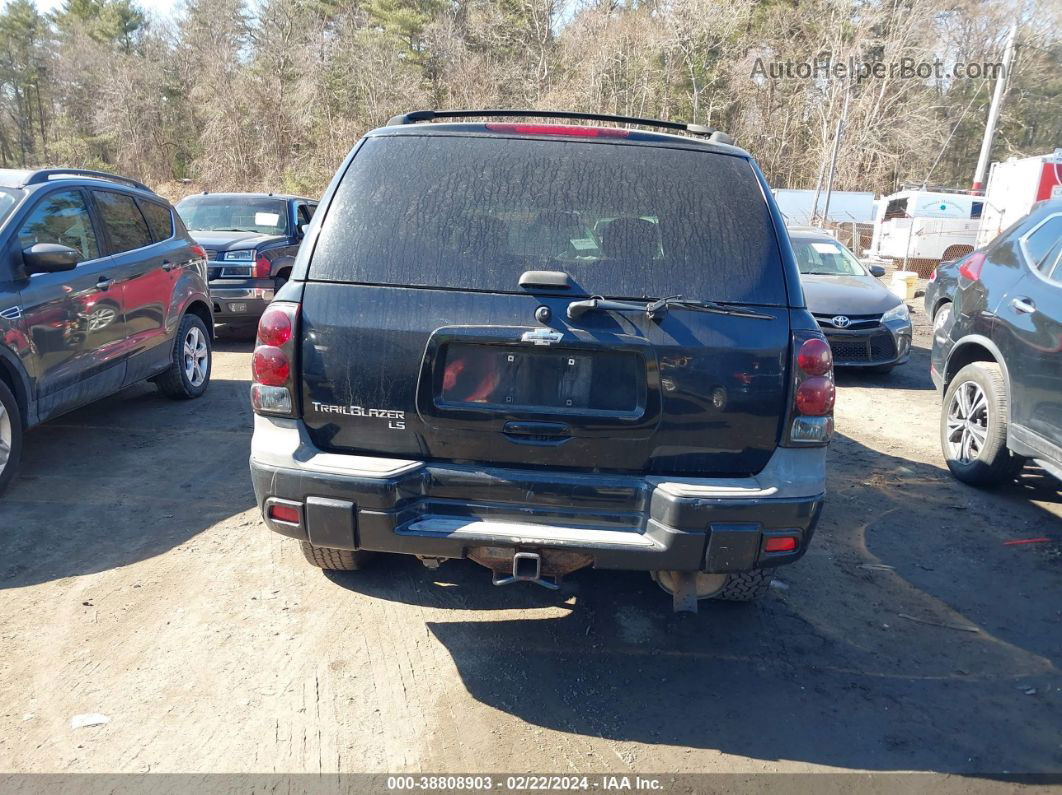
column 624, row 221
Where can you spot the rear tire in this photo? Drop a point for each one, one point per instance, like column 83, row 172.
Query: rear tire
column 942, row 321
column 188, row 375
column 746, row 586
column 10, row 436
column 334, row 559
column 973, row 427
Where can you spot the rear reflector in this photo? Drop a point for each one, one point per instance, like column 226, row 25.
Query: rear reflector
column 560, row 129
column 284, row 513
column 780, row 544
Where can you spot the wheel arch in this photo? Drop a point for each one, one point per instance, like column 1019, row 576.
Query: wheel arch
column 975, row 349
column 200, row 309
column 281, row 264
column 12, row 375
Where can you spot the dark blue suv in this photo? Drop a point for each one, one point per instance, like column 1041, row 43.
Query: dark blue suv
column 100, row 287
column 251, row 240
column 543, row 347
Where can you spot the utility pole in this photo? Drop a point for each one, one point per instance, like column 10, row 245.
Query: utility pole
column 993, row 111
column 818, row 189
column 836, row 146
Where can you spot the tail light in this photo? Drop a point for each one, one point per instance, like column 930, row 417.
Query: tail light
column 199, row 251
column 971, row 267
column 811, row 415
column 273, row 361
column 261, row 268
column 933, row 276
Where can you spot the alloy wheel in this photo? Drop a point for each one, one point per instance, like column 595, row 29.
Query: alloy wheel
column 967, row 424
column 196, row 354
column 7, row 437
column 100, row 318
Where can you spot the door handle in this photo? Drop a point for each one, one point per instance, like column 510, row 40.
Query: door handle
column 1024, row 305
column 548, row 433
column 104, row 283
column 167, row 265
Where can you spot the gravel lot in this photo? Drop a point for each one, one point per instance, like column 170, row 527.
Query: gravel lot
column 138, row 582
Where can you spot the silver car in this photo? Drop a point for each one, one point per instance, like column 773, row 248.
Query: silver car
column 866, row 324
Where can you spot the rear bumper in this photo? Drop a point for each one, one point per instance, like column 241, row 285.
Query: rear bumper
column 438, row 509
column 239, row 300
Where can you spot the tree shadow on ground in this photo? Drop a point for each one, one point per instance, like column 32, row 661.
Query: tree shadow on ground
column 124, row 479
column 909, row 638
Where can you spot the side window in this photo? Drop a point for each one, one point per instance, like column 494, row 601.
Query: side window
column 125, row 226
column 159, row 219
column 1039, row 243
column 62, row 218
column 1052, row 264
column 897, row 208
column 305, row 213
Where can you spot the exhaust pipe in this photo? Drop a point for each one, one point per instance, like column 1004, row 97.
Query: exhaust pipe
column 527, row 567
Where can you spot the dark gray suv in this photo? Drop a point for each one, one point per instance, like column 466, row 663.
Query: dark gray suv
column 100, row 287
column 997, row 354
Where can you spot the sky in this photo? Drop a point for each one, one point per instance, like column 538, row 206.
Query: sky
column 162, row 8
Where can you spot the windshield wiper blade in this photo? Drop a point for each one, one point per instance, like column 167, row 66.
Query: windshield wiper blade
column 657, row 309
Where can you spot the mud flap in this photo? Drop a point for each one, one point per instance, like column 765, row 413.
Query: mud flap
column 684, row 591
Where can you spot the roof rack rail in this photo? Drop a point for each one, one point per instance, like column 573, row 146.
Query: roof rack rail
column 717, row 136
column 44, row 174
column 927, row 188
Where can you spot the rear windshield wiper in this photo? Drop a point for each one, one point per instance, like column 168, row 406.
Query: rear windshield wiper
column 656, row 310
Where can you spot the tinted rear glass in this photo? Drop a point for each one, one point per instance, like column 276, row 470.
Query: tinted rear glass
column 621, row 220
column 125, row 226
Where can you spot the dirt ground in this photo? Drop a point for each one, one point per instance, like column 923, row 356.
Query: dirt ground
column 137, row 581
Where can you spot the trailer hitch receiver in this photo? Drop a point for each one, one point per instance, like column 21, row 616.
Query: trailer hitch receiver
column 527, row 567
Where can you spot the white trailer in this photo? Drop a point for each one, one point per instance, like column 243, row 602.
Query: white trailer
column 1014, row 186
column 924, row 225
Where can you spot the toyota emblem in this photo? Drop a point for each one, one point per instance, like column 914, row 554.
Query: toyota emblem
column 841, row 321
